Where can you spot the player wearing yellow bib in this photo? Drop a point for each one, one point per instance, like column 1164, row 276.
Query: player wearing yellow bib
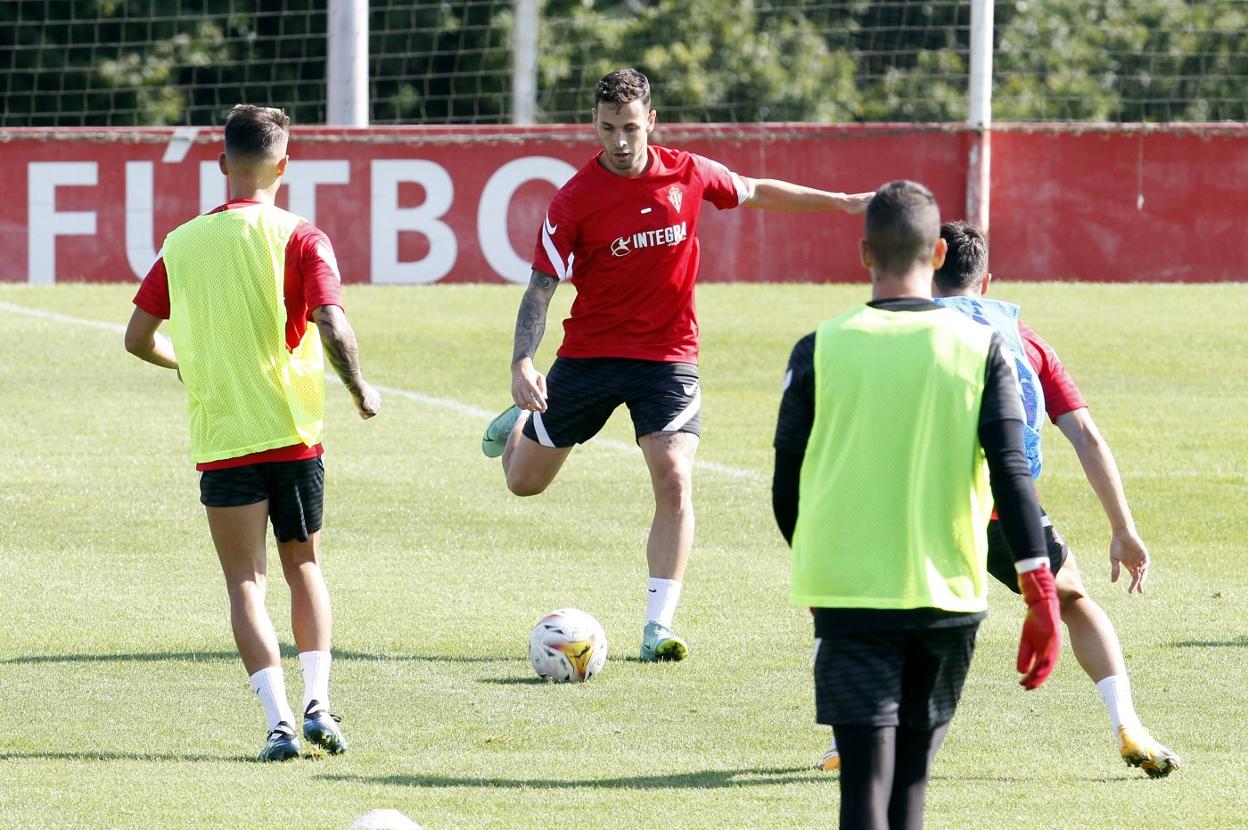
column 892, row 418
column 239, row 286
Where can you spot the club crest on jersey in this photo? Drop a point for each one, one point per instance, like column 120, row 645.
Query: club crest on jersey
column 671, row 236
column 675, row 197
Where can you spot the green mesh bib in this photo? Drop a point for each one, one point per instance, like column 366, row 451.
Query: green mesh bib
column 246, row 391
column 894, row 501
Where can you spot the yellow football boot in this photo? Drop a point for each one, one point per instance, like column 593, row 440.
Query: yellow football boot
column 831, row 761
column 1140, row 749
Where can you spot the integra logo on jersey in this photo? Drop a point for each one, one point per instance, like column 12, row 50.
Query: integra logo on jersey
column 670, row 236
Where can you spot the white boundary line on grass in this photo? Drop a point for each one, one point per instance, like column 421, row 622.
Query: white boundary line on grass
column 419, row 397
column 61, row 318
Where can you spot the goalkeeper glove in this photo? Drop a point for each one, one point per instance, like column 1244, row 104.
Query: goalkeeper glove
column 1042, row 637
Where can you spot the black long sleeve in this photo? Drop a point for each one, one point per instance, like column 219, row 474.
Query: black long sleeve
column 785, row 483
column 1001, row 436
column 1012, row 488
column 793, row 427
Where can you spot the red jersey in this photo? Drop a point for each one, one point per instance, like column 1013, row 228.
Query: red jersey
column 311, row 281
column 1061, row 395
column 630, row 247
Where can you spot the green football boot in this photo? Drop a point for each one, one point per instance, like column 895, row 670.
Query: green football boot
column 494, row 441
column 658, row 642
column 281, row 745
column 320, row 728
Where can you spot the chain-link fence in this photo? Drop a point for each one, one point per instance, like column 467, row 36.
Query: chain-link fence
column 149, row 62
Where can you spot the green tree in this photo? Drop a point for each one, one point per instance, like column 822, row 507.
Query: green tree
column 1121, row 60
column 148, row 62
column 709, row 60
column 138, row 62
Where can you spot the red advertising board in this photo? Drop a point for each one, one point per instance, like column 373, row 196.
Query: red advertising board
column 1129, row 204
column 438, row 204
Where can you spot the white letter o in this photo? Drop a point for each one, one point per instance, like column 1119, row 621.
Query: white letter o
column 495, row 203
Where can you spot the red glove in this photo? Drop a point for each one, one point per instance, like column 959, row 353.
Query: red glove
column 1042, row 635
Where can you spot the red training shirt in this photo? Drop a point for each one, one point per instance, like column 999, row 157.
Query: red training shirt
column 311, row 281
column 1061, row 395
column 630, row 247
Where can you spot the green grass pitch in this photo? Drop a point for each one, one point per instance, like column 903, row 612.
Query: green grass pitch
column 122, row 703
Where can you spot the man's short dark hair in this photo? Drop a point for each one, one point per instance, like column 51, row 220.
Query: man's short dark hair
column 255, row 132
column 903, row 225
column 623, row 86
column 967, row 259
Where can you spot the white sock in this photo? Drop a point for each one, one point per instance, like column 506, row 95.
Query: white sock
column 662, row 597
column 1116, row 692
column 270, row 687
column 315, row 678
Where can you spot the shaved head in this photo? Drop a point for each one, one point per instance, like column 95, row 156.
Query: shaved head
column 255, row 135
column 903, row 226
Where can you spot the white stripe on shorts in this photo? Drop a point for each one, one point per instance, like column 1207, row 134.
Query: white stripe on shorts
column 543, row 437
column 680, row 420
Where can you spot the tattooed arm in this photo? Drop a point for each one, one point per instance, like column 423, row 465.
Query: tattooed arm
column 528, row 386
column 344, row 355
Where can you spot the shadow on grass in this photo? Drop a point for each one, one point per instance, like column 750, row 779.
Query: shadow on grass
column 1127, row 776
column 705, row 780
column 516, row 681
column 199, row 656
column 126, row 756
column 1239, row 642
column 990, row 779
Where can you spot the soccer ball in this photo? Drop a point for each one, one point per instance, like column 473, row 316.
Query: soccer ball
column 567, row 645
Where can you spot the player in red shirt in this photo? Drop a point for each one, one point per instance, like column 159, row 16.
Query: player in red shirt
column 1092, row 635
column 244, row 491
column 623, row 230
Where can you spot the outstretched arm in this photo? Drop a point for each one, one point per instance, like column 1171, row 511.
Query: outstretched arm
column 344, row 355
column 785, row 197
column 1125, row 546
column 528, row 386
column 146, row 343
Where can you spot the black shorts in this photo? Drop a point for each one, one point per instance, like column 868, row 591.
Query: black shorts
column 890, row 678
column 1001, row 561
column 295, row 490
column 582, row 392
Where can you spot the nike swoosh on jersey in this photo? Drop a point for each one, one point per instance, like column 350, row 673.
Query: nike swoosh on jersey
column 550, row 229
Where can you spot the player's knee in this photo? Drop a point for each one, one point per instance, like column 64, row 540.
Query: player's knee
column 523, row 484
column 247, row 589
column 1069, row 585
column 296, row 555
column 1070, row 592
column 673, row 488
